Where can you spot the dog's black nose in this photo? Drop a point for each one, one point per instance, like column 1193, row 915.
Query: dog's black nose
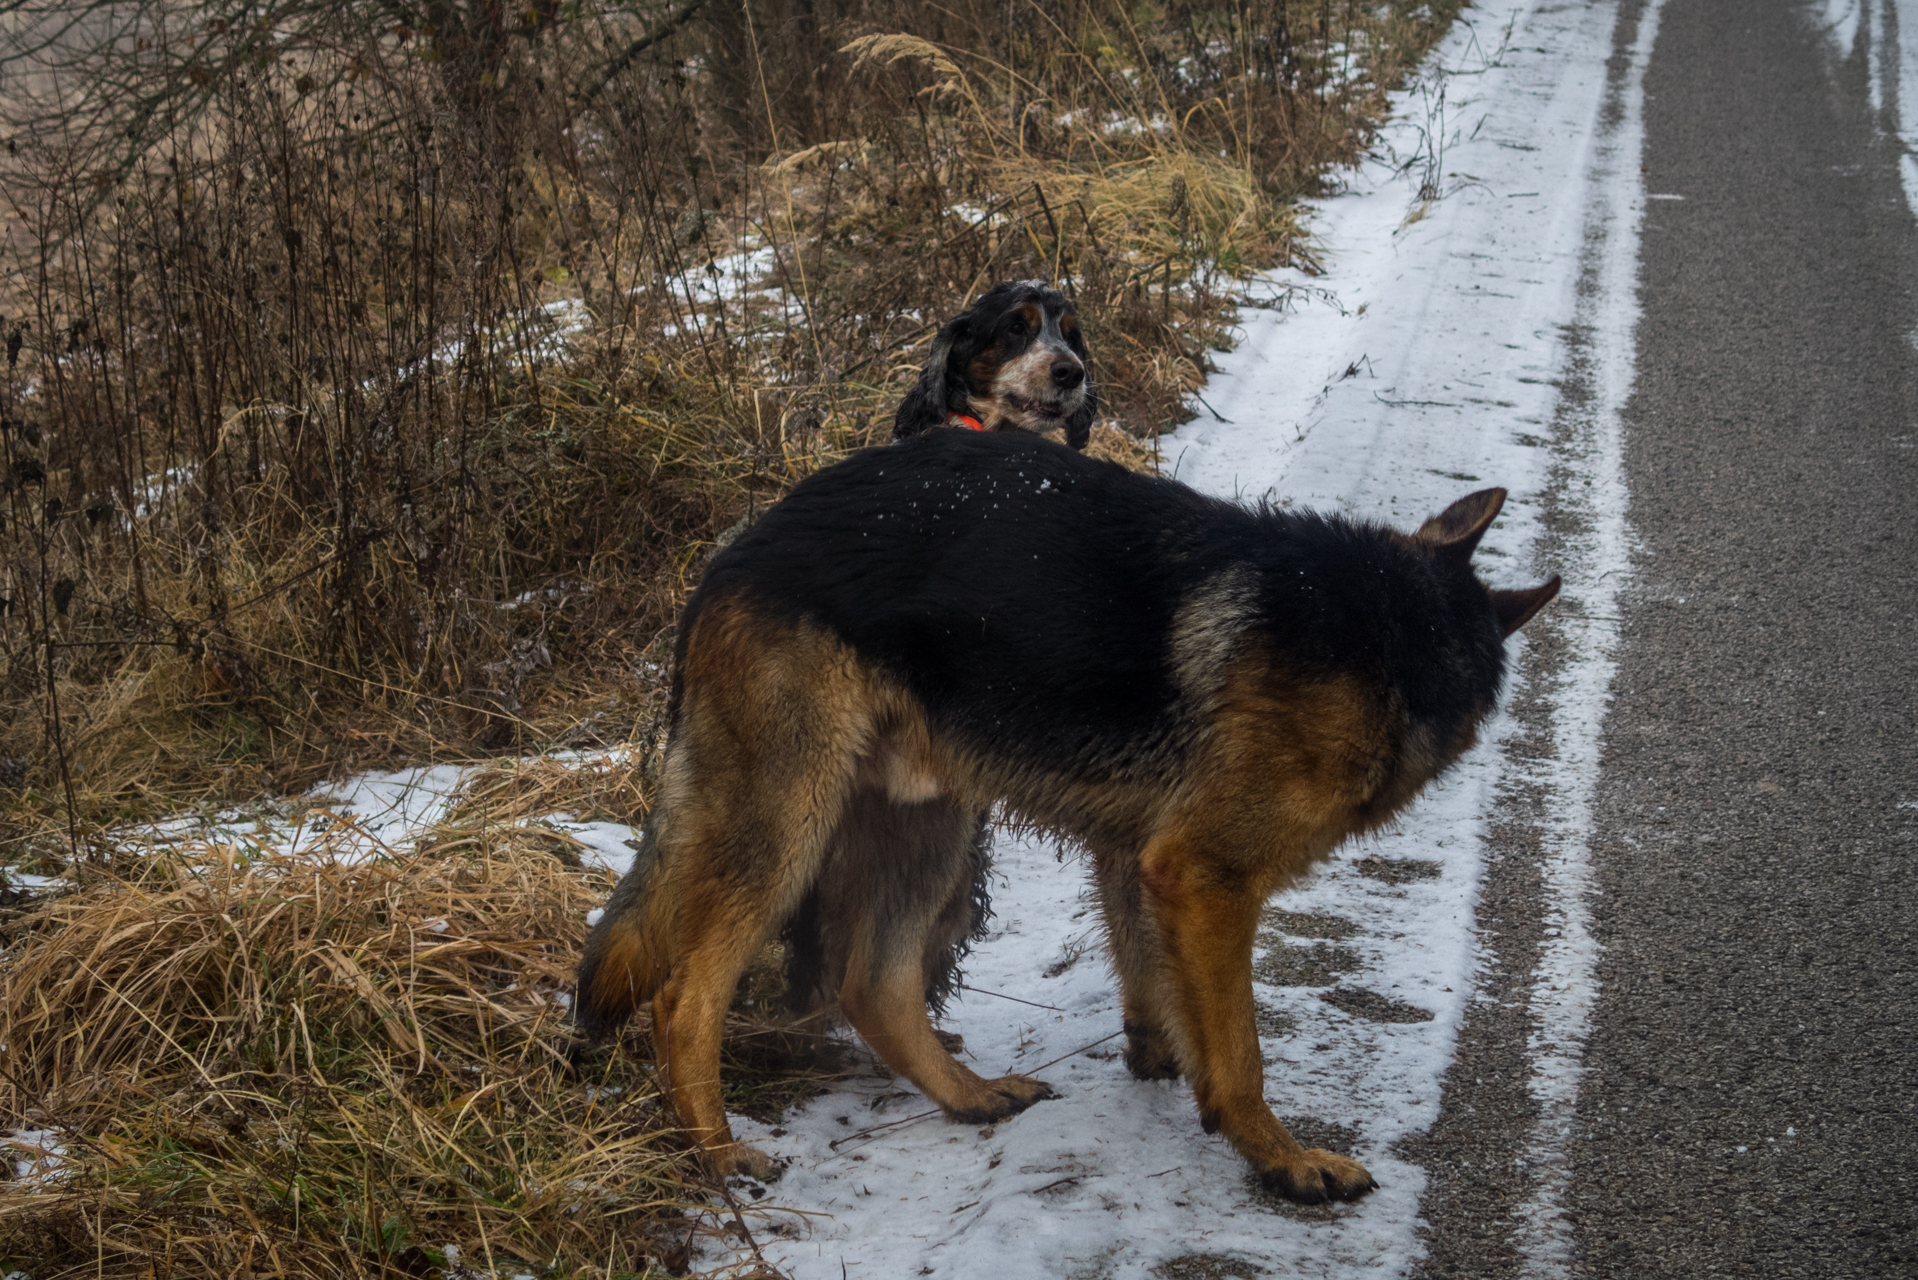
column 1067, row 374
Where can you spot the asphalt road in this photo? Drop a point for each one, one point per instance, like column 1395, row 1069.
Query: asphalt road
column 1751, row 1075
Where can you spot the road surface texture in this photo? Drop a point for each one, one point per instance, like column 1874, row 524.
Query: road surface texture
column 1747, row 1103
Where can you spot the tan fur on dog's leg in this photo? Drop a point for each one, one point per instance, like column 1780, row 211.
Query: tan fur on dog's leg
column 765, row 746
column 689, row 1017
column 1207, row 924
column 889, row 1012
column 726, row 907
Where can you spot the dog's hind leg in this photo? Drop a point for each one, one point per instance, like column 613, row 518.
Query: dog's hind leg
column 898, row 869
column 718, row 934
column 960, row 923
column 737, row 866
column 765, row 749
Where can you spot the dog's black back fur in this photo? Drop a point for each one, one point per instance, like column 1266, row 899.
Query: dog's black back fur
column 993, row 323
column 994, row 563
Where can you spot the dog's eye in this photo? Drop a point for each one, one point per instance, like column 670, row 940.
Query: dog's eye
column 1017, row 328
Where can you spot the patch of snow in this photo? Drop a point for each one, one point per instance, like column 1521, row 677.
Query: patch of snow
column 1884, row 34
column 37, row 1155
column 1842, row 20
column 34, row 884
column 607, row 844
column 1895, row 84
column 370, row 814
column 385, row 812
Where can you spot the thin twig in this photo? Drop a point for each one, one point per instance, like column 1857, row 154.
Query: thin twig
column 967, row 986
column 1076, row 1052
column 1209, row 409
column 618, row 65
column 740, row 1221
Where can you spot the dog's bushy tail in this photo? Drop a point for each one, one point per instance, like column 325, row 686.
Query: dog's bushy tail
column 627, row 952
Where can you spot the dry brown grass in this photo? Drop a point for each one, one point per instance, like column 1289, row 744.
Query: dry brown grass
column 324, row 1068
column 611, row 788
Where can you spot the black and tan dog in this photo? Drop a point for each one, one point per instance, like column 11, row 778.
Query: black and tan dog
column 1207, row 698
column 1015, row 360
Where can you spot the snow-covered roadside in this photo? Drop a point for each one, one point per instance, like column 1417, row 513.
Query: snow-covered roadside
column 1885, row 34
column 1423, row 366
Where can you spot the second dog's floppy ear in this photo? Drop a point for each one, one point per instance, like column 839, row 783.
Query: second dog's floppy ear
column 1079, row 425
column 927, row 404
column 1458, row 528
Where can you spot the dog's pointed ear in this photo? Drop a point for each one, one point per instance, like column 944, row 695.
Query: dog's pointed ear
column 1079, row 425
column 1515, row 608
column 927, row 404
column 1458, row 528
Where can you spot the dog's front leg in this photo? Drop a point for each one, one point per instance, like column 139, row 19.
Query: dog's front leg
column 1208, row 915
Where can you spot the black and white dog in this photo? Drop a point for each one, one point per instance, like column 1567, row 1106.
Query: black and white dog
column 1015, row 360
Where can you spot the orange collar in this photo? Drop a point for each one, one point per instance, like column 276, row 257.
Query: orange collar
column 964, row 420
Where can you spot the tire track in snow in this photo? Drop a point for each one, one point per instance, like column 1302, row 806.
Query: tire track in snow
column 1589, row 500
column 1541, row 984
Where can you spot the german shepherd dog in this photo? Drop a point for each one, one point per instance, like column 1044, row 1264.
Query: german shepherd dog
column 1015, row 360
column 1207, row 699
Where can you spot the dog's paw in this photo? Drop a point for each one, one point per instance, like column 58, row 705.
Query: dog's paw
column 1020, row 1092
column 735, row 1158
column 1006, row 1096
column 1315, row 1176
column 1148, row 1053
